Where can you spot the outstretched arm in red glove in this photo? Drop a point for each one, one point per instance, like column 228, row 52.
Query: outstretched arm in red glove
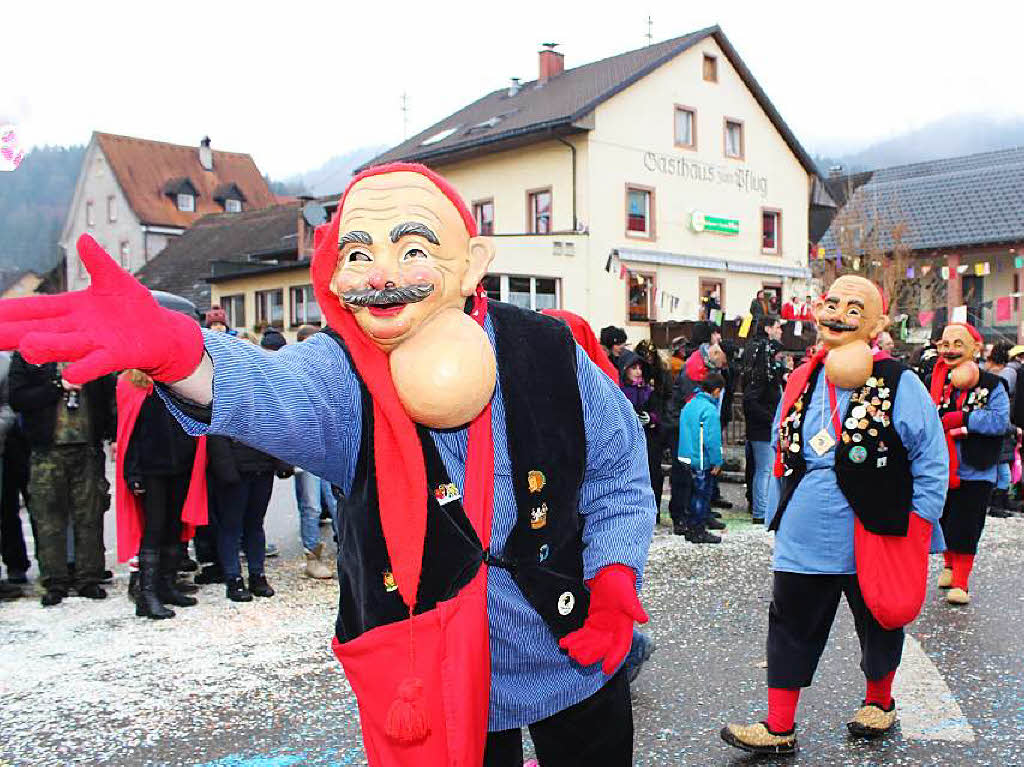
column 608, row 631
column 114, row 324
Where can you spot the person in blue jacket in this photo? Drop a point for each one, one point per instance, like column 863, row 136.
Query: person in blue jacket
column 700, row 449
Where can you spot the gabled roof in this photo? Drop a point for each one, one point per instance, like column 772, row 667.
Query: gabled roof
column 972, row 200
column 144, row 168
column 559, row 105
column 185, row 264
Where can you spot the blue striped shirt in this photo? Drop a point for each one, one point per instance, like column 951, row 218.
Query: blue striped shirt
column 302, row 404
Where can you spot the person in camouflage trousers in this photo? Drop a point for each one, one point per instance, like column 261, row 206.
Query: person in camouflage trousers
column 66, row 426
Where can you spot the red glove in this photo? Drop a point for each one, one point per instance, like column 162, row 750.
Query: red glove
column 114, row 324
column 608, row 630
column 953, row 420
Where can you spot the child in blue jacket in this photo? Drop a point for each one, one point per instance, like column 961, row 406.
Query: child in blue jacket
column 700, row 449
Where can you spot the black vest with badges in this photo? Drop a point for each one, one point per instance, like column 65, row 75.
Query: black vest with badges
column 536, row 358
column 980, row 451
column 871, row 464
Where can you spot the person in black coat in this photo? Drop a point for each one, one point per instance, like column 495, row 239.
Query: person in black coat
column 762, row 391
column 158, row 463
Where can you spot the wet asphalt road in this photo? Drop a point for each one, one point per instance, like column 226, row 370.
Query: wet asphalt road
column 255, row 685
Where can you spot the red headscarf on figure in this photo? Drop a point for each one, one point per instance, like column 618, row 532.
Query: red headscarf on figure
column 456, row 635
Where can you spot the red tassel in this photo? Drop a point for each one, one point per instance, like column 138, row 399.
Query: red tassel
column 407, row 721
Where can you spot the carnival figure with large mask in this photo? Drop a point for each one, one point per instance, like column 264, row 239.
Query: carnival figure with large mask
column 497, row 508
column 859, row 485
column 975, row 409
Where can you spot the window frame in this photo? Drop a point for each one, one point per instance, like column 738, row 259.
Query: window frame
column 503, row 287
column 652, row 303
column 531, row 221
column 709, row 282
column 651, row 234
column 228, row 201
column 725, row 139
column 182, row 195
column 713, row 60
column 478, row 206
column 90, row 214
column 309, row 296
column 227, row 303
column 259, row 314
column 692, row 146
column 777, row 250
column 111, row 209
column 124, row 253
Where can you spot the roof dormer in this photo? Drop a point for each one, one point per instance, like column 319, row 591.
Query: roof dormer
column 183, row 193
column 230, row 197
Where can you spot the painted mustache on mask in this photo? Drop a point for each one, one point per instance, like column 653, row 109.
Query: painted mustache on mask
column 952, row 355
column 407, row 294
column 836, row 325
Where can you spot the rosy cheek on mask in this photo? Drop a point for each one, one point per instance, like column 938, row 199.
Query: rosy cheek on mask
column 346, row 281
column 421, row 273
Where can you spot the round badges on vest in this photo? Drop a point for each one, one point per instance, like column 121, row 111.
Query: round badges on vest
column 545, row 550
column 851, row 423
column 567, row 601
column 858, row 454
column 859, row 412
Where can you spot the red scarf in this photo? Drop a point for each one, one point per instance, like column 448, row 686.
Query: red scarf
column 938, row 390
column 403, row 500
column 130, row 517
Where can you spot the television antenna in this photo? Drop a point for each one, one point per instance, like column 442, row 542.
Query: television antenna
column 650, row 30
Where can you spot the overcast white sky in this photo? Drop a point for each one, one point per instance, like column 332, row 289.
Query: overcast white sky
column 295, row 83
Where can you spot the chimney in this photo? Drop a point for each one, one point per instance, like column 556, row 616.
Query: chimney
column 303, row 234
column 552, row 63
column 835, row 171
column 514, row 88
column 205, row 154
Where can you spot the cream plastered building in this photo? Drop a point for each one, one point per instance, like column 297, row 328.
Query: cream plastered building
column 628, row 189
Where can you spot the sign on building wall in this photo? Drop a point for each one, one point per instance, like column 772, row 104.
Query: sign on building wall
column 706, row 172
column 701, row 222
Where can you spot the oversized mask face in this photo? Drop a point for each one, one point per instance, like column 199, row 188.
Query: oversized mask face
column 957, row 345
column 852, row 311
column 404, row 256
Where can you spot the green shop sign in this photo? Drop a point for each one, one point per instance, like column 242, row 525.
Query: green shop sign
column 701, row 222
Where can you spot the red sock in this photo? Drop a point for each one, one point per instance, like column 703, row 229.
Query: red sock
column 880, row 691
column 962, row 566
column 781, row 709
column 948, row 557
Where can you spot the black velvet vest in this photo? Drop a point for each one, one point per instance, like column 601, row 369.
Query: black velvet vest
column 980, row 451
column 536, row 358
column 872, row 466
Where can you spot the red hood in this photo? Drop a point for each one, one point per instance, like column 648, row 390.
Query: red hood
column 696, row 369
column 585, row 337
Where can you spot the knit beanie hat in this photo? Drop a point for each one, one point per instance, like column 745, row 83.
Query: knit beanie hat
column 272, row 339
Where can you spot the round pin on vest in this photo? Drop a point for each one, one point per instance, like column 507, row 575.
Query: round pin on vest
column 566, row 602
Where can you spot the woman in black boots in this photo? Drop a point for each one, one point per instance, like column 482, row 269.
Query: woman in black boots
column 157, row 468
